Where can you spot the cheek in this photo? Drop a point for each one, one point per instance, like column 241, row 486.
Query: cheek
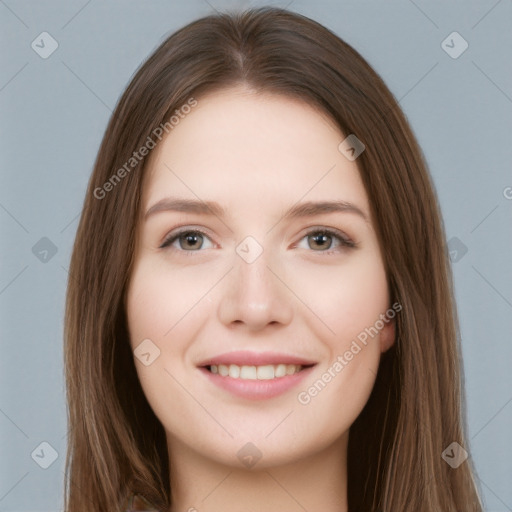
column 346, row 298
column 160, row 302
column 350, row 300
column 167, row 308
column 341, row 387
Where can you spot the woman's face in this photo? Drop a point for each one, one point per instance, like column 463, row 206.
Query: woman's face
column 258, row 258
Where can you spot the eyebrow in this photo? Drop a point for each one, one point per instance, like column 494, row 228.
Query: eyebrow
column 307, row 209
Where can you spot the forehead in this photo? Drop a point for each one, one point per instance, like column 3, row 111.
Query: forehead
column 238, row 146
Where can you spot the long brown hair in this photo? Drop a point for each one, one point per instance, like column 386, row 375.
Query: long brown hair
column 116, row 444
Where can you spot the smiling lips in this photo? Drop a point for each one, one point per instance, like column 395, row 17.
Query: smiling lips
column 256, row 375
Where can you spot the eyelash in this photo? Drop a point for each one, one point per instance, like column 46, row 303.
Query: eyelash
column 345, row 242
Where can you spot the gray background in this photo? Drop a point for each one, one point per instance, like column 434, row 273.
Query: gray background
column 53, row 115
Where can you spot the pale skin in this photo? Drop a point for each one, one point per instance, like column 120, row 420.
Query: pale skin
column 257, row 156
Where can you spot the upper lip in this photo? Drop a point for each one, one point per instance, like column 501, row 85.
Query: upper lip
column 247, row 358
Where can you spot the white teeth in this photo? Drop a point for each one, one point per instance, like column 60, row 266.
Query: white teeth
column 266, row 372
column 280, row 370
column 234, row 371
column 247, row 372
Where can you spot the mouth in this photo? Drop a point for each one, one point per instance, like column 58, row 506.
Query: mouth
column 256, row 376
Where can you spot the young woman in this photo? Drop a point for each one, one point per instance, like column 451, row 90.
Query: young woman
column 260, row 312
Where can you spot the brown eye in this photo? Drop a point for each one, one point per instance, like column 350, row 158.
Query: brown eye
column 326, row 240
column 321, row 241
column 191, row 240
column 186, row 240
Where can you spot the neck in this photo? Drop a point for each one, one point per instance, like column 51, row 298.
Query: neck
column 314, row 482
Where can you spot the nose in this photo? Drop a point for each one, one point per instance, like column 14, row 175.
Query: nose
column 253, row 296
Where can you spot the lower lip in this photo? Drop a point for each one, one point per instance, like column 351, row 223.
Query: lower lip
column 257, row 389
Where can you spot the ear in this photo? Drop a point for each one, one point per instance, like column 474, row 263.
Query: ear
column 387, row 335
